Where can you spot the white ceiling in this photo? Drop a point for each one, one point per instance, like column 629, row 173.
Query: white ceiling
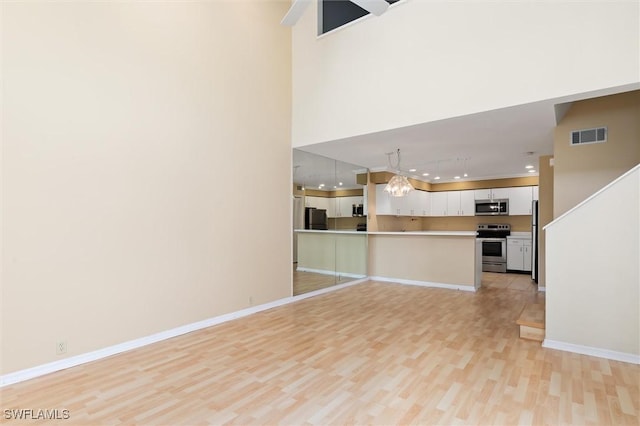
column 487, row 145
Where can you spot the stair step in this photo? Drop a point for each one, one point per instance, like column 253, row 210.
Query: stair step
column 531, row 322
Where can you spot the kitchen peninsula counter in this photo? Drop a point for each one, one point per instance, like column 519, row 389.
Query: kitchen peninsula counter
column 448, row 259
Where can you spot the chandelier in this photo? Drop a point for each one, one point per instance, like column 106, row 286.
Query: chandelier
column 398, row 185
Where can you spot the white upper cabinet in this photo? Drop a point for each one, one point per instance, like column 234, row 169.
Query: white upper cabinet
column 439, row 203
column 318, row 202
column 453, row 203
column 467, row 203
column 414, row 204
column 491, row 194
column 417, row 203
column 520, row 199
column 499, row 193
column 344, row 205
column 424, row 200
column 482, row 194
column 384, row 202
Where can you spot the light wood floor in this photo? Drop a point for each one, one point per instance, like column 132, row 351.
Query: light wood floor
column 520, row 282
column 373, row 353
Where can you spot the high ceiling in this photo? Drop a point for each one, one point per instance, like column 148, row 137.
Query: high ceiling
column 487, row 145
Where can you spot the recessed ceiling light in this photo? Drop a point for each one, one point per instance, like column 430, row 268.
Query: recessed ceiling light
column 412, row 170
column 532, row 171
column 465, row 175
column 437, row 177
column 456, row 177
column 340, row 183
column 321, row 185
column 528, row 166
column 425, row 174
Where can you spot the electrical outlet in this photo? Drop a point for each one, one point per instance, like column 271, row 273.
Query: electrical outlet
column 61, row 348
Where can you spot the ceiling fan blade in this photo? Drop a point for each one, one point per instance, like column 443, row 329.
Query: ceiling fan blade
column 377, row 7
column 295, row 12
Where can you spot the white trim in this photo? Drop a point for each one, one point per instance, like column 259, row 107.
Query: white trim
column 328, row 272
column 51, row 367
column 588, row 350
column 594, row 195
column 543, row 289
column 462, row 287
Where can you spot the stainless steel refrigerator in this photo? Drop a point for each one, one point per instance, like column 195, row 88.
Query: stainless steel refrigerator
column 315, row 218
column 534, row 241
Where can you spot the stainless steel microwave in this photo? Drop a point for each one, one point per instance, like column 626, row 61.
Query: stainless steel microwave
column 492, row 207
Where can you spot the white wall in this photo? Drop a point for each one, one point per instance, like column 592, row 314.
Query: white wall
column 593, row 273
column 138, row 140
column 426, row 60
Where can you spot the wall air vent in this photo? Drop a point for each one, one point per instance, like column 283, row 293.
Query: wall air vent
column 581, row 137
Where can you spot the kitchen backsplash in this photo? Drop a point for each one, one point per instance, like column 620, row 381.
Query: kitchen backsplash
column 458, row 223
column 468, row 223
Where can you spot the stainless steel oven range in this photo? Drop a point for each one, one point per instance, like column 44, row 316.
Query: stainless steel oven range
column 493, row 237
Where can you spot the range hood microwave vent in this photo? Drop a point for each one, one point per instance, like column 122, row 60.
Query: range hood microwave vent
column 581, row 137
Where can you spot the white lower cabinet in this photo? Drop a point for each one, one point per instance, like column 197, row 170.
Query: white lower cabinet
column 519, row 254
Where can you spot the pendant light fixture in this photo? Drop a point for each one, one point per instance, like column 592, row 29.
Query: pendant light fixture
column 399, row 185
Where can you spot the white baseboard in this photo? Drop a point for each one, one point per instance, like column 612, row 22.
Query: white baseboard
column 327, row 272
column 543, row 289
column 51, row 367
column 588, row 350
column 462, row 287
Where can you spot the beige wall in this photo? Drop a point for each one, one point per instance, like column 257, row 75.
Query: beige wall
column 469, row 223
column 581, row 170
column 593, row 295
column 449, row 223
column 346, row 223
column 388, row 72
column 487, row 183
column 384, row 177
column 124, row 123
column 545, row 213
column 435, row 259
